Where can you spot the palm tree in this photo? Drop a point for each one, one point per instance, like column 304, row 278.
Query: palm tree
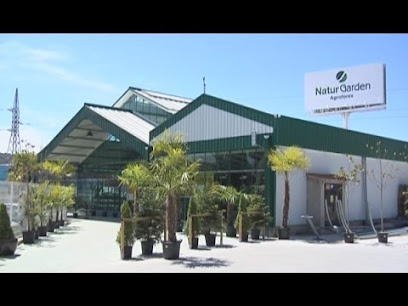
column 135, row 176
column 230, row 195
column 286, row 162
column 173, row 174
column 59, row 169
column 24, row 167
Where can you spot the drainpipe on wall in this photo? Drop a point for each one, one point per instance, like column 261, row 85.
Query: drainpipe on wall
column 364, row 185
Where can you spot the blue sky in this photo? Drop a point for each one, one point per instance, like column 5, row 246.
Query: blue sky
column 56, row 73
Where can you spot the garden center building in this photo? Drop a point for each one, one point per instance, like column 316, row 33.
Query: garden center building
column 231, row 140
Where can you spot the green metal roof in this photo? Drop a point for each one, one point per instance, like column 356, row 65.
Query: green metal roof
column 167, row 102
column 91, row 127
column 291, row 131
column 288, row 131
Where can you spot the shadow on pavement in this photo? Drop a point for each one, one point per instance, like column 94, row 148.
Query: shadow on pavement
column 47, row 242
column 5, row 258
column 144, row 257
column 202, row 248
column 195, row 262
column 225, row 246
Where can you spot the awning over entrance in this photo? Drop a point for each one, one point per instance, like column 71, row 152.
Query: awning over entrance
column 323, row 176
column 91, row 127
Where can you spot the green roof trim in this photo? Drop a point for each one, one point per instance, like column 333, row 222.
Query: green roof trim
column 86, row 113
column 315, row 136
column 221, row 104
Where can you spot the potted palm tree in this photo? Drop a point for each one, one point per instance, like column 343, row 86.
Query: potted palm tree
column 135, row 176
column 192, row 210
column 24, row 168
column 58, row 170
column 285, row 162
column 207, row 197
column 129, row 236
column 174, row 175
column 41, row 200
column 150, row 227
column 230, row 195
column 243, row 215
column 8, row 243
column 258, row 214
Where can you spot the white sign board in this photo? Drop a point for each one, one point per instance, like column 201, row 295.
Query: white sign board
column 345, row 89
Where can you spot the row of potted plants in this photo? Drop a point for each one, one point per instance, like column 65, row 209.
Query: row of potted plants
column 43, row 206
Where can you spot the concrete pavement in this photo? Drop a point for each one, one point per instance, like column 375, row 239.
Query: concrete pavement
column 90, row 246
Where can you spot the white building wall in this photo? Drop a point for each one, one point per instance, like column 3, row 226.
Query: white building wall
column 207, row 122
column 399, row 171
column 330, row 163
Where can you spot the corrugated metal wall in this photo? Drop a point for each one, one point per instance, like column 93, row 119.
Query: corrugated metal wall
column 207, row 122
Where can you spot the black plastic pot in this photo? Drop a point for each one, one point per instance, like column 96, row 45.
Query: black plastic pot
column 127, row 254
column 244, row 237
column 210, row 239
column 50, row 227
column 194, row 244
column 28, row 237
column 147, row 246
column 255, row 232
column 42, row 231
column 8, row 247
column 36, row 233
column 56, row 224
column 231, row 231
column 382, row 237
column 349, row 237
column 284, row 233
column 75, row 215
column 171, row 250
column 62, row 222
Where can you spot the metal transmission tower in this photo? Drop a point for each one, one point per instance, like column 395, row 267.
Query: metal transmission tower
column 14, row 142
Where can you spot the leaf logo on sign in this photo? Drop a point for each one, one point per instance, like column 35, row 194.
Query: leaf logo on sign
column 341, row 76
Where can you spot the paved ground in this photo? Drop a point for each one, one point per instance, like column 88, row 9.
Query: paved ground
column 89, row 246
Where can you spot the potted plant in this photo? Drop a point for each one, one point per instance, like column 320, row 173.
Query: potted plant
column 243, row 217
column 129, row 236
column 24, row 168
column 258, row 214
column 58, row 170
column 149, row 231
column 8, row 243
column 41, row 200
column 55, row 198
column 210, row 224
column 285, row 162
column 193, row 236
column 230, row 195
column 350, row 178
column 67, row 200
column 381, row 180
column 135, row 176
column 174, row 175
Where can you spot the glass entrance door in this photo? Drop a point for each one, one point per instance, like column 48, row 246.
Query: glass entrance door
column 332, row 192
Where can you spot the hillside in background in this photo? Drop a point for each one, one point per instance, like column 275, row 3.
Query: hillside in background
column 5, row 158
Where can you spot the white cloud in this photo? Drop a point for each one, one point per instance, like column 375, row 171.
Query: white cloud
column 15, row 54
